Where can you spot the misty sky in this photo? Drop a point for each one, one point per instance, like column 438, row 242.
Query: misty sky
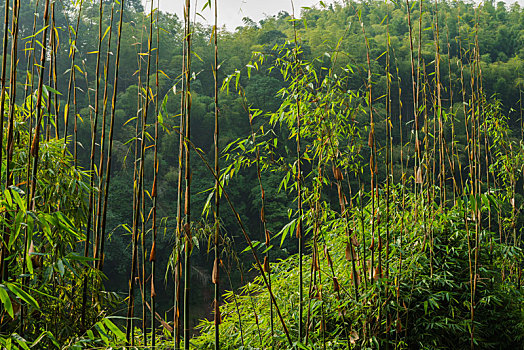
column 231, row 12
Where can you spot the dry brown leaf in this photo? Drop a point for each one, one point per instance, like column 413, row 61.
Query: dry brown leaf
column 214, row 275
column 376, row 273
column 349, row 252
column 153, row 191
column 354, row 241
column 328, row 257
column 267, row 268
column 316, row 265
column 336, row 286
column 153, row 292
column 337, row 173
column 418, row 176
column 152, row 256
column 399, row 326
column 353, row 337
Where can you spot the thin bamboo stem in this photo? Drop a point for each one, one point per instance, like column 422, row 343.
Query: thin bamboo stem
column 187, row 175
column 154, row 190
column 216, row 265
column 94, row 126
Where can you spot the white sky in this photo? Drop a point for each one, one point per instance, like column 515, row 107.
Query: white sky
column 231, row 12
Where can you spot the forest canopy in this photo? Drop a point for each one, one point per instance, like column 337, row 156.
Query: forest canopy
column 346, row 176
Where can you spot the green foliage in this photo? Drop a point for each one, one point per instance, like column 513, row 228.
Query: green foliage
column 432, row 311
column 403, row 271
column 41, row 298
column 442, row 260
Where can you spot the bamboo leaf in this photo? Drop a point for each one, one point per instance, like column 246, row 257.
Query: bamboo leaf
column 6, row 300
column 289, row 227
column 21, row 341
column 105, row 33
column 22, row 295
column 114, row 329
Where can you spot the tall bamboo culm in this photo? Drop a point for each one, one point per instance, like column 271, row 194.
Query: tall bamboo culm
column 298, row 179
column 187, row 171
column 94, row 129
column 216, row 264
column 154, row 190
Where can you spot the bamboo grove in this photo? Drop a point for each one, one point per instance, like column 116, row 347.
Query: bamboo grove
column 385, row 178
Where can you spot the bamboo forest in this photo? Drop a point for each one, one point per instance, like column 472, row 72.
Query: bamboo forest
column 347, row 175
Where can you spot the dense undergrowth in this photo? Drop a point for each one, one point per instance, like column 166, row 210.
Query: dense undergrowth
column 422, row 304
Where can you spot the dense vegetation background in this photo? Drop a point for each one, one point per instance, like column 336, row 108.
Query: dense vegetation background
column 409, row 197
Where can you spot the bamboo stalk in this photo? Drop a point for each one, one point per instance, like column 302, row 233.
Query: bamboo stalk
column 107, row 176
column 2, row 103
column 216, row 265
column 403, row 210
column 71, row 84
column 111, row 132
column 300, row 229
column 4, row 264
column 28, row 86
column 35, row 145
column 136, row 205
column 12, row 97
column 452, row 156
column 187, row 174
column 442, row 174
column 389, row 170
column 94, row 125
column 415, row 87
column 28, row 89
column 372, row 156
column 54, row 83
column 178, row 253
column 99, row 236
column 140, row 197
column 477, row 90
column 51, row 75
column 11, row 125
column 154, row 191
